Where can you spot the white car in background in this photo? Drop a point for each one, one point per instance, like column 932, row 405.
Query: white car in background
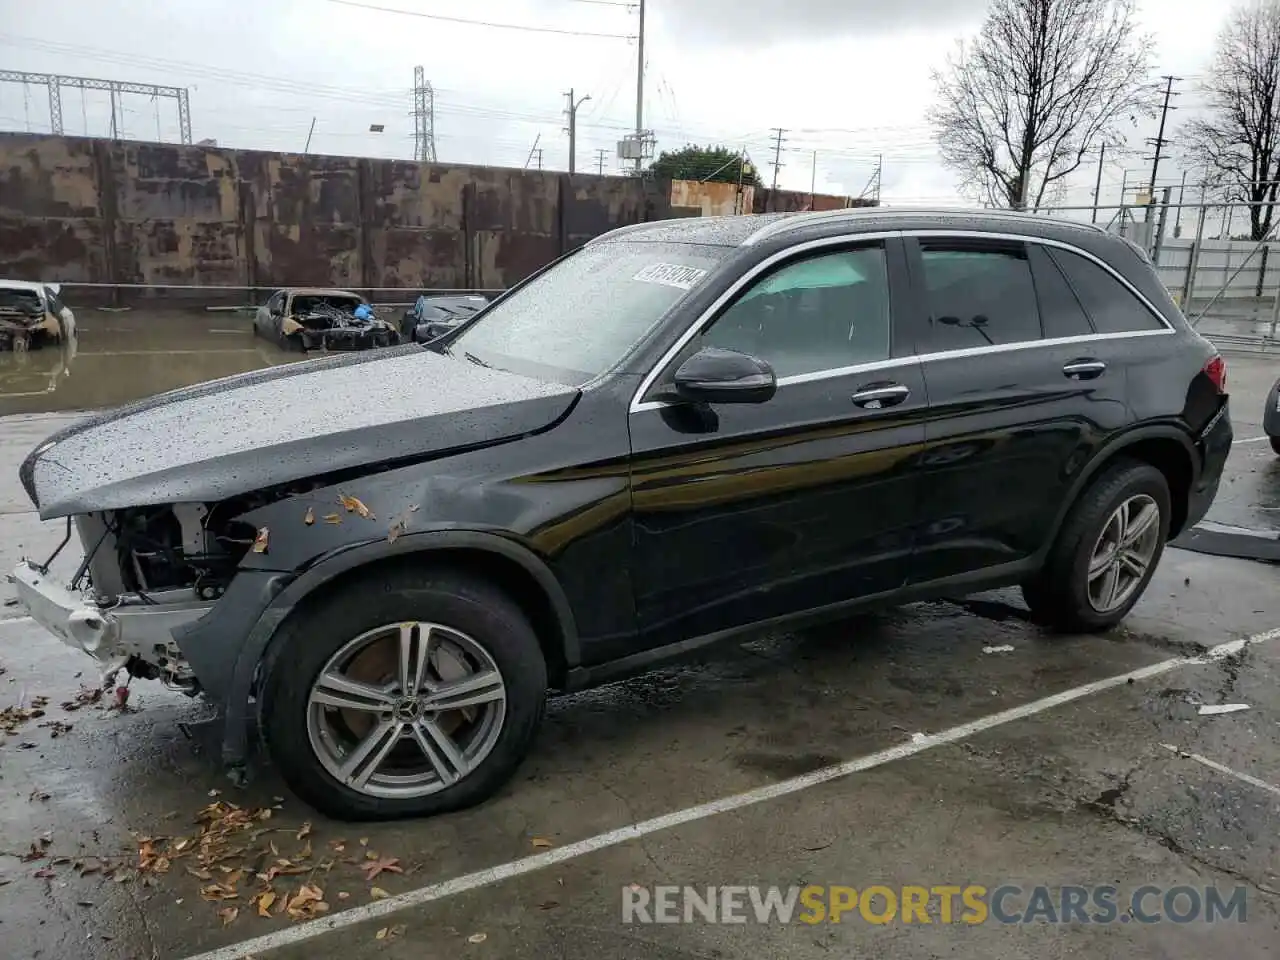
column 32, row 312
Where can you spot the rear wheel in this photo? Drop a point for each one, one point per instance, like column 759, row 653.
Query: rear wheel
column 1106, row 552
column 407, row 696
column 1275, row 444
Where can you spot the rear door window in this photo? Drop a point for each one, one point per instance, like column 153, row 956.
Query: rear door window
column 979, row 295
column 1110, row 304
column 1060, row 310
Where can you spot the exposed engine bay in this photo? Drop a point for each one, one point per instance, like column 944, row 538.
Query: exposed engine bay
column 329, row 322
column 24, row 318
column 158, row 566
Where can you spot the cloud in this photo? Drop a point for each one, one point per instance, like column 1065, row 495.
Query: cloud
column 765, row 22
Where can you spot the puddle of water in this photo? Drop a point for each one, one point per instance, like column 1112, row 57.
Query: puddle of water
column 118, row 358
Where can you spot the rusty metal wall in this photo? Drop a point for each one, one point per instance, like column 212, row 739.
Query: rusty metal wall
column 100, row 211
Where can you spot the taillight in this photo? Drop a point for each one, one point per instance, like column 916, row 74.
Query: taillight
column 1216, row 370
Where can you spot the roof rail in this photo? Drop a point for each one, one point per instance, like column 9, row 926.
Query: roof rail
column 794, row 221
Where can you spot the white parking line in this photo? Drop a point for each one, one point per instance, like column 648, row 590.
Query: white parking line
column 918, row 744
column 7, row 620
column 1251, row 440
column 1214, row 765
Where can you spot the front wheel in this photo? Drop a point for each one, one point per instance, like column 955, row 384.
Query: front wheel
column 413, row 694
column 1106, row 552
column 1275, row 444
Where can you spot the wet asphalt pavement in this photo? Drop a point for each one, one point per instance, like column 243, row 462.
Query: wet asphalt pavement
column 1078, row 793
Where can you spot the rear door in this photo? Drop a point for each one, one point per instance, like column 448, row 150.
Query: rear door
column 747, row 512
column 1021, row 392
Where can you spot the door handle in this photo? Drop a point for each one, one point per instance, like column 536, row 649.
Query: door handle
column 877, row 396
column 1084, row 369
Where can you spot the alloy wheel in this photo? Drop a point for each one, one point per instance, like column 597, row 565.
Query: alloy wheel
column 1123, row 553
column 406, row 710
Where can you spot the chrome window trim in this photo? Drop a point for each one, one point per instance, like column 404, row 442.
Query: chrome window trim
column 636, row 406
column 853, row 214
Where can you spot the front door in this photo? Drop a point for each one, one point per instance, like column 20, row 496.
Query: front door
column 748, row 512
column 1019, row 398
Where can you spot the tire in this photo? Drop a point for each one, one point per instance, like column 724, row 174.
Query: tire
column 1062, row 596
column 300, row 735
column 1275, row 445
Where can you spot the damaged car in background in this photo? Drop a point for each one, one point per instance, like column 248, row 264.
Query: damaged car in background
column 681, row 432
column 304, row 318
column 32, row 314
column 434, row 316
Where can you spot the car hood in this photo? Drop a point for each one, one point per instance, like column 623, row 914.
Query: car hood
column 254, row 430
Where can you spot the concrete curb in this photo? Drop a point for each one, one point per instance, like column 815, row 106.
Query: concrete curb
column 1226, row 540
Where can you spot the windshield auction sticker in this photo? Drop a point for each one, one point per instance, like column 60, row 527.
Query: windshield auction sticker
column 670, row 275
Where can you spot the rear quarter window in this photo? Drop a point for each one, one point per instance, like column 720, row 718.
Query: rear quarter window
column 1111, row 305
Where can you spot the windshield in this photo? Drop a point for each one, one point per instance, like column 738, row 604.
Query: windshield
column 582, row 316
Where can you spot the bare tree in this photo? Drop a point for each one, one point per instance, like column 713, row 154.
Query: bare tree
column 1044, row 83
column 1238, row 141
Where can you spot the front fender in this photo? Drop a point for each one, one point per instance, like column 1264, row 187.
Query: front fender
column 266, row 598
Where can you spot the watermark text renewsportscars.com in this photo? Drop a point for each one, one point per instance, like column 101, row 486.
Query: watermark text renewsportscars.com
column 938, row 903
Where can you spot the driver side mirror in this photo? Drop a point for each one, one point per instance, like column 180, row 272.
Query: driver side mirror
column 714, row 375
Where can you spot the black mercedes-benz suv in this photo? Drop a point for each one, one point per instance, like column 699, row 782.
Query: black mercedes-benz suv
column 680, row 432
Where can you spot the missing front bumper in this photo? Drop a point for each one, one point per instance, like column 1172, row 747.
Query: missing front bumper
column 111, row 635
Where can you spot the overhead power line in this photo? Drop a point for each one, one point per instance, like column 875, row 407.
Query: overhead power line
column 480, row 23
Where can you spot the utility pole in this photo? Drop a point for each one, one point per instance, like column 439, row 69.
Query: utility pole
column 813, row 178
column 115, row 132
column 1160, row 142
column 572, row 111
column 307, row 148
column 1182, row 196
column 1097, row 187
column 777, row 154
column 539, row 152
column 640, row 93
column 600, row 157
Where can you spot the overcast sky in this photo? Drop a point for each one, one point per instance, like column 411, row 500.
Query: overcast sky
column 846, row 78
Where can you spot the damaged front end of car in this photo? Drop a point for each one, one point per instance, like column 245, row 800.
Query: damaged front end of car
column 25, row 320
column 325, row 326
column 147, row 573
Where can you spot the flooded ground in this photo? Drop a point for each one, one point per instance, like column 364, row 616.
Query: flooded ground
column 119, row 357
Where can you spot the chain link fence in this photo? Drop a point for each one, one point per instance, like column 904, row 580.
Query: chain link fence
column 1227, row 284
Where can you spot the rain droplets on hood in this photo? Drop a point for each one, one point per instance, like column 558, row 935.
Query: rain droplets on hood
column 323, row 417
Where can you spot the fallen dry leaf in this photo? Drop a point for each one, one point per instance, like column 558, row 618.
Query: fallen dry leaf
column 200, row 874
column 304, row 830
column 260, row 541
column 548, row 905
column 364, row 841
column 264, row 901
column 343, row 895
column 354, row 505
column 228, row 915
column 380, row 866
column 381, row 934
column 477, row 938
column 307, row 902
column 44, row 873
column 542, row 842
column 332, row 518
column 310, row 517
column 377, row 893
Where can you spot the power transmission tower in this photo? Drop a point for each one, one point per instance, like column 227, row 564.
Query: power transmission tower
column 777, row 154
column 600, row 157
column 424, row 118
column 1160, row 142
column 55, row 82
